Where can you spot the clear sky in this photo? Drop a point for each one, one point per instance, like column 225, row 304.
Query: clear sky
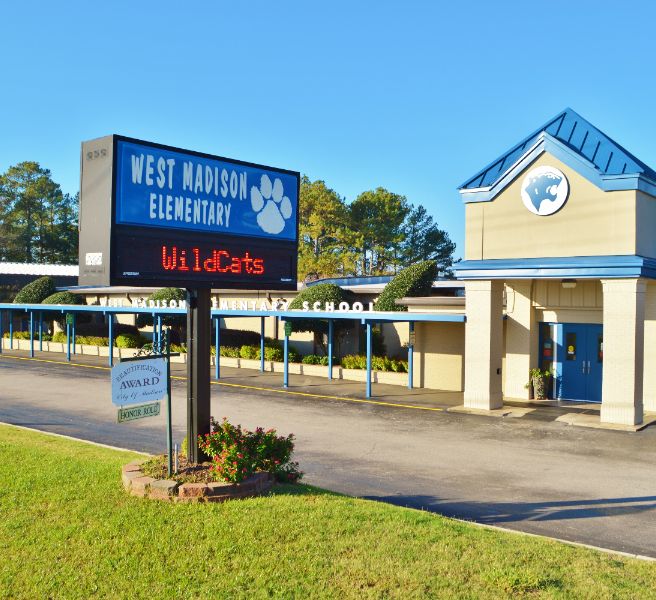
column 412, row 96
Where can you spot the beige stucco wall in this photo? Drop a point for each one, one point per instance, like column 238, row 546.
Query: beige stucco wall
column 646, row 225
column 592, row 222
column 649, row 381
column 439, row 356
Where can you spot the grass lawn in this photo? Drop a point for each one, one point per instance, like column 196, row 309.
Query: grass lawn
column 68, row 530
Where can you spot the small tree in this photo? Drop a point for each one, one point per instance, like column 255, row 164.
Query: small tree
column 36, row 291
column 416, row 280
column 322, row 293
column 176, row 322
column 64, row 298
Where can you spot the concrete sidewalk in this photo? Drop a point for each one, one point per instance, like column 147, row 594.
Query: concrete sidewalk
column 568, row 413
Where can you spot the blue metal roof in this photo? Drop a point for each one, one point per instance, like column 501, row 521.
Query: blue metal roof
column 570, row 128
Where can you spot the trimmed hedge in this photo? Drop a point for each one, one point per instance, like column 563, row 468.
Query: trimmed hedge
column 36, row 291
column 416, row 280
column 25, row 335
column 126, row 340
column 164, row 294
column 314, row 359
column 322, row 293
column 63, row 298
column 378, row 363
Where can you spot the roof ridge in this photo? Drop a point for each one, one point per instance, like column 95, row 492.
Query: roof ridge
column 607, row 158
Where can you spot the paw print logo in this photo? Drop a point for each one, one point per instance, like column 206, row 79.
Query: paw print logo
column 273, row 208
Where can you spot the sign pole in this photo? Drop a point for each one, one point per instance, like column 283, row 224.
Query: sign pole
column 198, row 369
column 169, row 426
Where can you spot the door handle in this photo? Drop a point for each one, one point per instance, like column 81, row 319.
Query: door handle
column 583, row 369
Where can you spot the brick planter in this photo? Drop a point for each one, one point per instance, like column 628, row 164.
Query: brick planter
column 137, row 484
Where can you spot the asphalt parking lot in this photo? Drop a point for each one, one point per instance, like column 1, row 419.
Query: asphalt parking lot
column 533, row 474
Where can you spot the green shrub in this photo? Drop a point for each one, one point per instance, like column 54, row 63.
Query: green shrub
column 127, row 340
column 272, row 354
column 314, row 359
column 416, row 280
column 59, row 337
column 178, row 322
column 63, row 298
column 36, row 291
column 92, row 340
column 249, row 352
column 237, row 453
column 354, row 361
column 25, row 335
column 230, row 351
column 322, row 293
column 378, row 363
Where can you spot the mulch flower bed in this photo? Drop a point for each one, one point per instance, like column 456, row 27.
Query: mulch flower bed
column 192, row 483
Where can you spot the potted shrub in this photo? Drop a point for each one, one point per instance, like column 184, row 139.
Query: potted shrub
column 539, row 380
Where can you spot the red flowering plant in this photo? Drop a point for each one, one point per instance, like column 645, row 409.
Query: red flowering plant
column 237, row 453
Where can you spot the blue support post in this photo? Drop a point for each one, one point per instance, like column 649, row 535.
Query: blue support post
column 41, row 331
column 411, row 348
column 330, row 348
column 31, row 334
column 262, row 344
column 217, row 347
column 111, row 339
column 368, row 360
column 11, row 330
column 73, row 335
column 2, row 331
column 68, row 340
column 285, row 381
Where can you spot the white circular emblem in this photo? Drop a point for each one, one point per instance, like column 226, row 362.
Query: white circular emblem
column 545, row 190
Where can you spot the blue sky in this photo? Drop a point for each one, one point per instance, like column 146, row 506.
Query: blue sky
column 412, row 96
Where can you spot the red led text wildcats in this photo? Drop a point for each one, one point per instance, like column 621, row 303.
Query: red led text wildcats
column 218, row 261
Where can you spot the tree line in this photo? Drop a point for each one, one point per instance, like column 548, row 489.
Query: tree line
column 38, row 222
column 378, row 233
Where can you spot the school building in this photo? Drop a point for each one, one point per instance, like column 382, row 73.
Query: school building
column 559, row 273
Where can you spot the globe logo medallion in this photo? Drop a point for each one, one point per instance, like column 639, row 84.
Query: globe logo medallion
column 545, row 190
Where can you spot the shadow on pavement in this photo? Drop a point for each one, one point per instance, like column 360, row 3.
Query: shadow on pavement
column 511, row 512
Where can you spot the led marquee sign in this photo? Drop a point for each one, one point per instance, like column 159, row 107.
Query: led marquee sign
column 152, row 215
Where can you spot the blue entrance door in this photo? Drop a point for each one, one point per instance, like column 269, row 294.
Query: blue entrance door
column 581, row 357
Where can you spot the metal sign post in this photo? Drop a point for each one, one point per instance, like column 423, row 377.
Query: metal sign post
column 198, row 370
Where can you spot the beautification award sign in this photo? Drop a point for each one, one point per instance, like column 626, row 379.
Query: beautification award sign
column 139, row 381
column 160, row 216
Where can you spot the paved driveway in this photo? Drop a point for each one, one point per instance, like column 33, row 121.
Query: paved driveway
column 535, row 475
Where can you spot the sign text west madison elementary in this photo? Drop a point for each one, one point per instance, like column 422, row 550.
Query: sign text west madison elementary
column 156, row 215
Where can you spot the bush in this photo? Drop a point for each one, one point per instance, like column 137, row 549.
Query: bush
column 59, row 337
column 249, row 352
column 237, row 453
column 416, row 280
column 64, row 298
column 229, row 351
column 92, row 340
column 322, row 292
column 126, row 340
column 36, row 291
column 378, row 363
column 313, row 359
column 164, row 295
column 25, row 335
